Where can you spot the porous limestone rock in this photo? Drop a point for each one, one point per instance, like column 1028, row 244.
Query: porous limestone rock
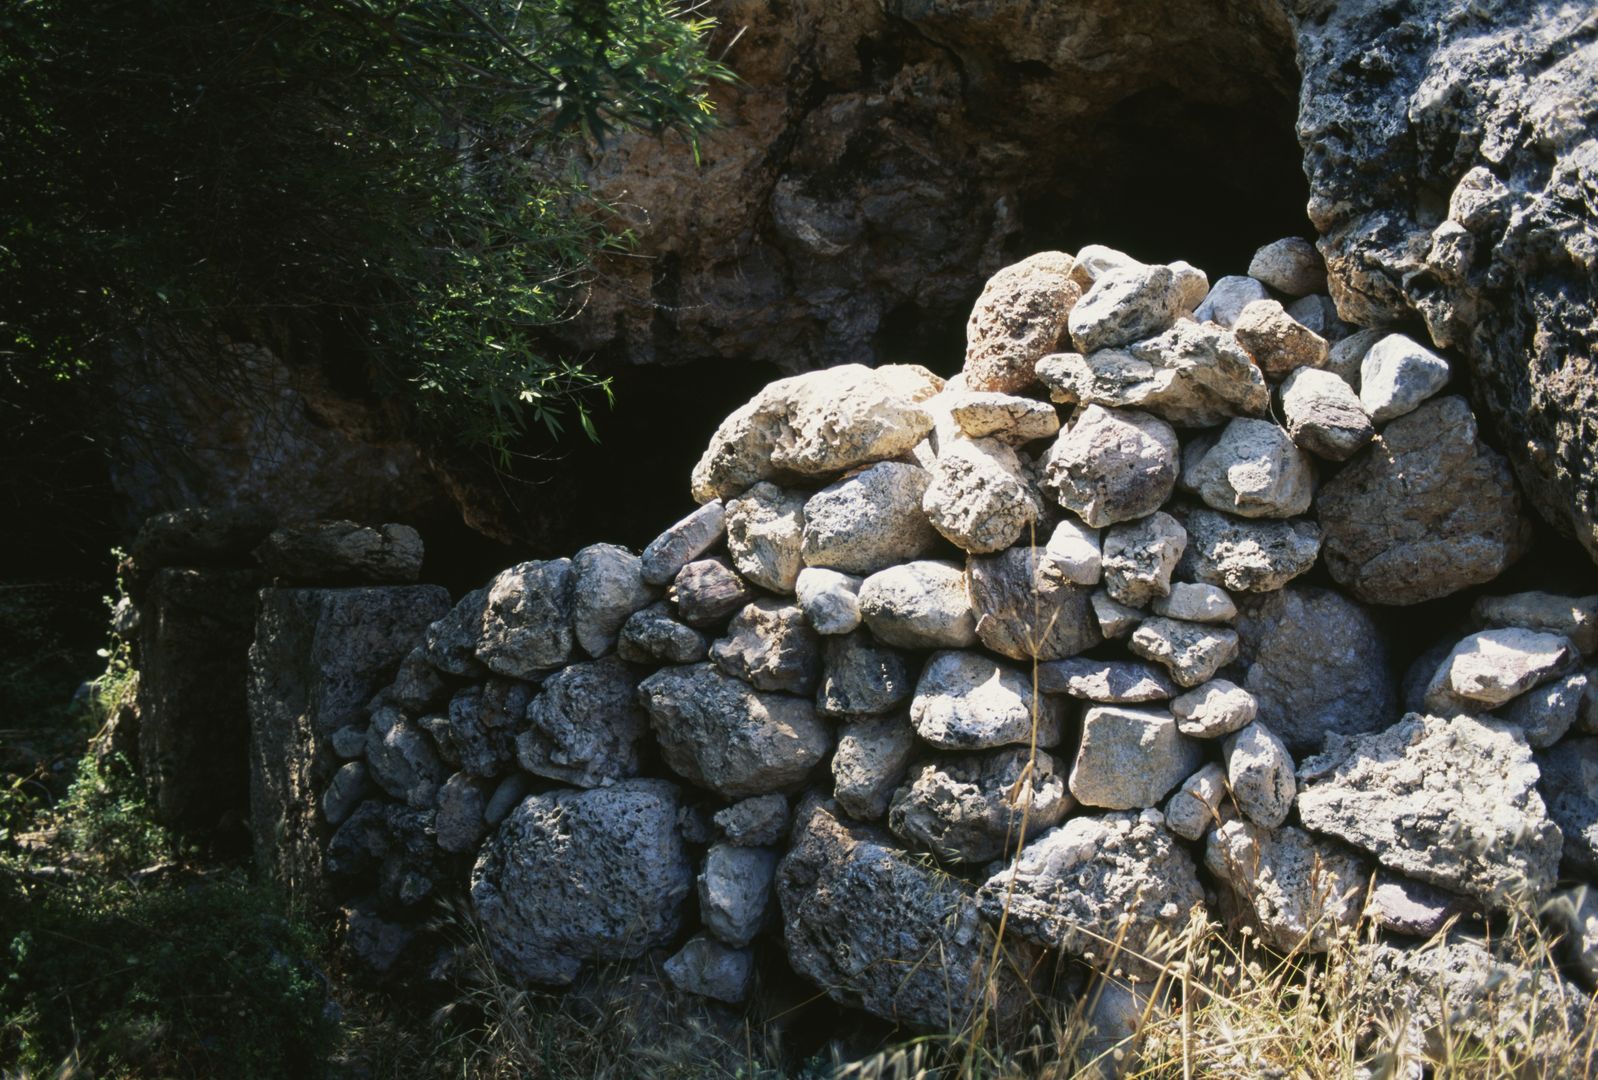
column 1195, row 807
column 706, row 591
column 1195, row 602
column 342, row 552
column 1094, row 881
column 879, row 931
column 1424, row 511
column 1489, row 668
column 1324, row 415
column 1192, row 652
column 652, row 636
column 829, row 599
column 1316, row 662
column 1260, row 773
column 770, row 646
column 1451, row 801
column 1074, row 553
column 765, row 529
column 1304, row 892
column 860, row 677
column 1576, row 617
column 1124, row 305
column 869, row 521
column 1241, row 555
column 1396, row 375
column 1115, row 619
column 401, row 760
column 1113, row 465
column 475, row 738
column 735, row 891
column 607, row 587
column 1290, row 265
column 1569, row 785
column 1139, row 557
column 1192, row 374
column 706, row 967
column 458, row 818
column 585, row 726
column 871, row 758
column 1095, row 260
column 1411, row 907
column 527, row 621
column 1213, row 709
column 760, row 821
column 1130, row 758
column 1228, row 297
column 1023, row 611
column 1010, row 419
column 1108, row 682
column 979, row 499
column 577, row 876
column 683, row 542
column 1254, row 471
column 972, row 809
column 451, row 640
column 716, row 731
column 1279, row 343
column 1020, row 316
column 1546, row 713
column 966, row 701
column 818, row 424
column 919, row 605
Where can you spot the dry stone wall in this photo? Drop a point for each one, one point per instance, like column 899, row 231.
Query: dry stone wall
column 1026, row 644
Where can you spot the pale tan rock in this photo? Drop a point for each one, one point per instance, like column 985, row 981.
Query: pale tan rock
column 1278, row 342
column 1020, row 317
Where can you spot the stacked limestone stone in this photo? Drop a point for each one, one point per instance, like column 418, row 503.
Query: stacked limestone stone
column 1039, row 622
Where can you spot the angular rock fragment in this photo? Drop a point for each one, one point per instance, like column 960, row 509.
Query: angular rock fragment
column 1139, row 557
column 577, row 876
column 871, row 758
column 879, row 931
column 1397, row 375
column 760, row 821
column 401, row 760
column 1013, row 420
column 1023, row 611
column 770, row 646
column 684, row 542
column 1247, row 556
column 1489, row 668
column 652, row 636
column 451, row 642
column 1020, row 316
column 608, row 586
column 978, row 498
column 474, row 737
column 1192, row 652
column 1410, row 907
column 1290, row 265
column 417, row 685
column 1576, row 617
column 830, row 600
column 585, row 726
column 1319, row 314
column 920, row 605
column 973, row 809
column 1317, row 663
column 1347, row 355
column 869, row 521
column 1125, row 305
column 967, row 701
column 716, row 731
column 1569, row 785
column 1195, row 603
column 707, row 591
column 1304, row 893
column 1113, row 465
column 1324, row 415
column 765, row 530
column 1095, row 881
column 1259, row 771
column 458, row 820
column 1108, row 682
column 818, row 424
column 862, row 678
column 735, row 891
column 1449, row 801
column 342, row 552
column 1213, row 709
column 1279, row 343
column 1254, row 470
column 1095, row 260
column 706, row 967
column 1073, row 554
column 1130, row 758
column 1227, row 298
column 1115, row 619
column 1545, row 714
column 527, row 622
column 1195, row 807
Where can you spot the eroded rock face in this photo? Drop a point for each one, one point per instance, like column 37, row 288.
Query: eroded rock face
column 585, row 725
column 1449, row 801
column 1023, row 611
column 1488, row 113
column 969, row 809
column 869, row 521
column 1019, row 318
column 877, row 930
column 1303, row 892
column 578, row 876
column 1113, row 465
column 527, row 622
column 965, row 701
column 1424, row 511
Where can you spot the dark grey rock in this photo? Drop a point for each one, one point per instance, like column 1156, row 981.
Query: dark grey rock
column 585, row 726
column 1025, row 612
column 342, row 552
column 976, row 808
column 684, row 542
column 653, row 636
column 860, row 677
column 707, row 591
column 607, row 587
column 771, row 646
column 527, row 621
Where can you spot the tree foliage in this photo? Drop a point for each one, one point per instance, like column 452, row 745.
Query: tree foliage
column 382, row 177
